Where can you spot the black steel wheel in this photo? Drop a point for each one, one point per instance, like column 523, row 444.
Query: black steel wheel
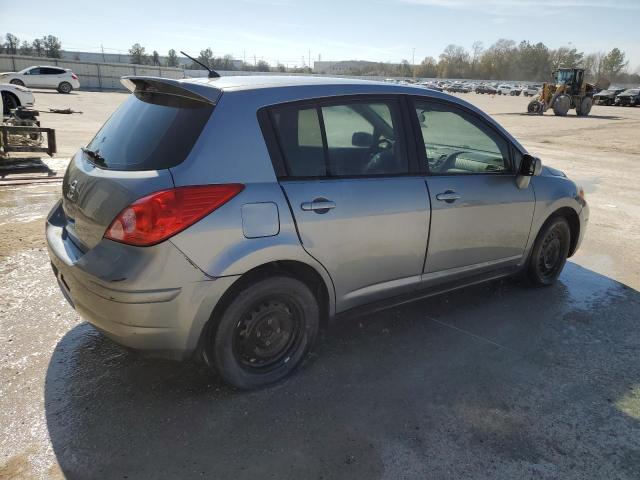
column 550, row 252
column 268, row 334
column 264, row 333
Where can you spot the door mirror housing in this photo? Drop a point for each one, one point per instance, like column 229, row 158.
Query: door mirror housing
column 529, row 166
column 362, row 139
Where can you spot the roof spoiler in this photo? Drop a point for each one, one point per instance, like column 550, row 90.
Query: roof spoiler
column 171, row 86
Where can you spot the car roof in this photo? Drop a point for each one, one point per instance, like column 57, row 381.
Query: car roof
column 249, row 82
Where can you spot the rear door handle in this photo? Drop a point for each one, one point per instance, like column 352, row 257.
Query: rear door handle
column 319, row 205
column 449, row 196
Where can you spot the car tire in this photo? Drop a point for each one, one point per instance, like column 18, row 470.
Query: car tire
column 264, row 333
column 15, row 81
column 550, row 252
column 65, row 87
column 9, row 102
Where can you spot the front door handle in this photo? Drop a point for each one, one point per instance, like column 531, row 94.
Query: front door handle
column 319, row 205
column 449, row 196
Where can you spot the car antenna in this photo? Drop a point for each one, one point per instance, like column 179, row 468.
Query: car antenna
column 212, row 73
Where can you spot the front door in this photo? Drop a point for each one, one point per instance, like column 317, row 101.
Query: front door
column 480, row 218
column 358, row 209
column 32, row 78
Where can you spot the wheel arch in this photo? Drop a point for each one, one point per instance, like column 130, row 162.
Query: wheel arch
column 7, row 93
column 299, row 270
column 574, row 225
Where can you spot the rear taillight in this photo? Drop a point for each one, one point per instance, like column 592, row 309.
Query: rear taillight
column 156, row 217
column 74, row 76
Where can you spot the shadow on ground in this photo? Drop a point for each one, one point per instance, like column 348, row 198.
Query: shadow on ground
column 590, row 116
column 495, row 381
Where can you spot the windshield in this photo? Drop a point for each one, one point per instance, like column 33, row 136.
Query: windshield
column 564, row 76
column 150, row 131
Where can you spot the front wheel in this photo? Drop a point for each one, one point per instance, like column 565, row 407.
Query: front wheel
column 264, row 333
column 15, row 81
column 9, row 102
column 550, row 252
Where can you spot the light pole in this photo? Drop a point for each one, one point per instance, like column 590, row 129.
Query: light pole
column 413, row 63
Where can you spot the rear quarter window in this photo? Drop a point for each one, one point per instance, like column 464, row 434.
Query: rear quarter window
column 150, row 131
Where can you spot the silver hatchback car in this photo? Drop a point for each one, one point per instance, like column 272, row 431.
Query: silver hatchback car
column 230, row 218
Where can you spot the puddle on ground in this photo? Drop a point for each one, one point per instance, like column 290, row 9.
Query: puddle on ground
column 586, row 289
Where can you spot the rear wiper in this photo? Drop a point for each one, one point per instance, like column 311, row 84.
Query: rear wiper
column 94, row 155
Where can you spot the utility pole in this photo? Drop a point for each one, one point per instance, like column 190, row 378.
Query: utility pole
column 309, row 58
column 102, row 48
column 413, row 62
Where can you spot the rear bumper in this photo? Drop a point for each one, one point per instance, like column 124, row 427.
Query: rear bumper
column 149, row 299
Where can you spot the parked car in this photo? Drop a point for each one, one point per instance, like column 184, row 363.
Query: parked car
column 458, row 88
column 207, row 233
column 486, row 89
column 628, row 98
column 432, row 86
column 62, row 79
column 508, row 90
column 14, row 96
column 531, row 90
column 607, row 97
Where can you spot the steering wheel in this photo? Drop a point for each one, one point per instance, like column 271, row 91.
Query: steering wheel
column 445, row 162
column 380, row 153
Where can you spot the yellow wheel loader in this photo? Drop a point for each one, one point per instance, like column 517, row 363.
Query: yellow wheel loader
column 569, row 91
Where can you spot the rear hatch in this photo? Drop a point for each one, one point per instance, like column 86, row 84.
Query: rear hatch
column 129, row 158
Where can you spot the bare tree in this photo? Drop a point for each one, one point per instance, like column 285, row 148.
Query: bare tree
column 12, row 44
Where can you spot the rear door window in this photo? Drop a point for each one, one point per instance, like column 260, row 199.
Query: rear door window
column 150, row 131
column 356, row 138
column 50, row 71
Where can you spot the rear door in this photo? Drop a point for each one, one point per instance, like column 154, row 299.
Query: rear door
column 480, row 218
column 51, row 77
column 360, row 208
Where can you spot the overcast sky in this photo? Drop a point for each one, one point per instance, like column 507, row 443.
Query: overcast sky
column 286, row 30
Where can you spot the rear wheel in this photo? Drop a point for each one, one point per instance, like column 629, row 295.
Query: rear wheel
column 264, row 333
column 65, row 87
column 584, row 107
column 15, row 81
column 550, row 252
column 562, row 105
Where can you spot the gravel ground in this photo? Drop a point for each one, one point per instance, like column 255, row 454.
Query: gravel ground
column 495, row 381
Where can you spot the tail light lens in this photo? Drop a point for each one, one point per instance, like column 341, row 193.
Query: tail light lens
column 74, row 76
column 156, row 217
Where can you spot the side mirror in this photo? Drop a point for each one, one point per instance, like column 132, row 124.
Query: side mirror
column 529, row 166
column 362, row 139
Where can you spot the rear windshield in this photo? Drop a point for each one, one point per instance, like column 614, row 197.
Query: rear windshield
column 150, row 131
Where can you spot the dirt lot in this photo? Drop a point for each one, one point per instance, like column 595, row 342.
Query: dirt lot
column 496, row 381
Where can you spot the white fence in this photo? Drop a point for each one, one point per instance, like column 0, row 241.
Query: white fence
column 106, row 76
column 93, row 76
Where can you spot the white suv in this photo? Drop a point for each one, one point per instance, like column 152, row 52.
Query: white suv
column 62, row 79
column 508, row 90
